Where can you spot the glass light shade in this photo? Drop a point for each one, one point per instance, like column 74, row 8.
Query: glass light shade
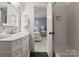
column 15, row 3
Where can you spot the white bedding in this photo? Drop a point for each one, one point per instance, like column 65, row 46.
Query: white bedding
column 37, row 36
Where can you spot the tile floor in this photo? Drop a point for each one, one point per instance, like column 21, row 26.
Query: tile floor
column 41, row 46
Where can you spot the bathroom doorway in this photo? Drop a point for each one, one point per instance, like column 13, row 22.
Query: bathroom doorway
column 40, row 29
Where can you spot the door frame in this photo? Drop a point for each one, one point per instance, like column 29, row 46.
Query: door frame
column 52, row 53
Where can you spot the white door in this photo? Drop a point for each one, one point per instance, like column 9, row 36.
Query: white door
column 49, row 29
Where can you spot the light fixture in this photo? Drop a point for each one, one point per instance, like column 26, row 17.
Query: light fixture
column 15, row 3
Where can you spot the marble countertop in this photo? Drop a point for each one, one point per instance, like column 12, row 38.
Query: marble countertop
column 15, row 36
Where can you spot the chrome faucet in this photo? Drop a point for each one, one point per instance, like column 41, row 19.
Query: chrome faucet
column 11, row 32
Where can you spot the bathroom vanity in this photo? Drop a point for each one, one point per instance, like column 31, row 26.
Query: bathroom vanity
column 16, row 45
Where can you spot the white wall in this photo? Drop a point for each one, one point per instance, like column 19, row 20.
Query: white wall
column 71, row 24
column 60, row 27
column 73, row 28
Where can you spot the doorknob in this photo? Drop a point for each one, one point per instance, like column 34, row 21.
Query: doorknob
column 52, row 33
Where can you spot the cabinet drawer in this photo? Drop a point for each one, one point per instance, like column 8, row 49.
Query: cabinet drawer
column 16, row 45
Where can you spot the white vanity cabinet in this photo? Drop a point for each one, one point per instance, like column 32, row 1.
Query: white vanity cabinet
column 15, row 48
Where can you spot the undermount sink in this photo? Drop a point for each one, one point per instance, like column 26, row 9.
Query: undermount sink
column 4, row 35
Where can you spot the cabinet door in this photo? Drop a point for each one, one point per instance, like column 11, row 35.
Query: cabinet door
column 17, row 53
column 17, row 44
column 25, row 46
